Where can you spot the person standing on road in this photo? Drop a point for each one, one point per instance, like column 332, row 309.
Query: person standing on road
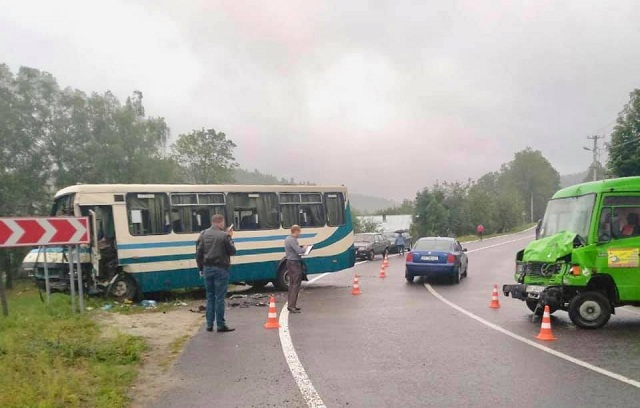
column 213, row 255
column 400, row 243
column 293, row 255
column 480, row 231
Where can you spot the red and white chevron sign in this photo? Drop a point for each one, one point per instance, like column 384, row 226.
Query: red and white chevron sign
column 36, row 231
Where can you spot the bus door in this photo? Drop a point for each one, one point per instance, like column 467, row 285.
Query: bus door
column 104, row 256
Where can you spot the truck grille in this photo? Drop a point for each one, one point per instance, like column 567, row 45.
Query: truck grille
column 541, row 268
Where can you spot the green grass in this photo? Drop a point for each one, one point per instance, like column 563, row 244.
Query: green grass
column 50, row 357
column 520, row 228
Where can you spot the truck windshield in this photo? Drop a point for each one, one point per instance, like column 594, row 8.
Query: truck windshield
column 571, row 214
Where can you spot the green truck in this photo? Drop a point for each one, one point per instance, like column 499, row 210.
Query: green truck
column 586, row 260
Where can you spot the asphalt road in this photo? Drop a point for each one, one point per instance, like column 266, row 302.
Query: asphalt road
column 399, row 345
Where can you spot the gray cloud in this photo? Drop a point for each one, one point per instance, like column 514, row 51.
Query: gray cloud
column 356, row 93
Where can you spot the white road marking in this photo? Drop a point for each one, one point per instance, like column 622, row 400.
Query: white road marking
column 531, row 343
column 498, row 244
column 318, row 277
column 307, row 389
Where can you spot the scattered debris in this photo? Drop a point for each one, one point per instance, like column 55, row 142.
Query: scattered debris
column 106, row 307
column 237, row 296
column 149, row 304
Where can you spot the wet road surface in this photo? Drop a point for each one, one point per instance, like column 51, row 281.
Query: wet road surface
column 398, row 345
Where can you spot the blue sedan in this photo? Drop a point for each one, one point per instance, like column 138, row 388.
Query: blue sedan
column 437, row 257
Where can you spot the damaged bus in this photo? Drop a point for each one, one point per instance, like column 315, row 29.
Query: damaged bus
column 143, row 236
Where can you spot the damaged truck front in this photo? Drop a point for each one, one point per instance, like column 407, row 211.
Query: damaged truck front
column 586, row 260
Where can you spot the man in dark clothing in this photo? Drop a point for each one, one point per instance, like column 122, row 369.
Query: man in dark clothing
column 293, row 253
column 213, row 256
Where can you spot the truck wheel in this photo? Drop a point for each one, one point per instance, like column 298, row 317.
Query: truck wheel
column 590, row 310
column 124, row 288
column 282, row 280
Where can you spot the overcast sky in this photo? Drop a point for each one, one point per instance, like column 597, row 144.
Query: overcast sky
column 352, row 92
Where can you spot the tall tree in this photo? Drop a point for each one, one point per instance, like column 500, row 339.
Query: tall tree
column 624, row 149
column 206, row 156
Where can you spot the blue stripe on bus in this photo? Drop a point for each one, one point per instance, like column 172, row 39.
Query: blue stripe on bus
column 338, row 235
column 176, row 244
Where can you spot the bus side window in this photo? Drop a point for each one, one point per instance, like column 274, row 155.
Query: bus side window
column 192, row 212
column 253, row 211
column 148, row 213
column 335, row 209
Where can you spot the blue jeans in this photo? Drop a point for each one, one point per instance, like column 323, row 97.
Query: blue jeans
column 216, row 281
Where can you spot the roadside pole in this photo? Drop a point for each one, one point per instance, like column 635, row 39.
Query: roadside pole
column 80, row 285
column 3, row 296
column 47, row 284
column 72, row 281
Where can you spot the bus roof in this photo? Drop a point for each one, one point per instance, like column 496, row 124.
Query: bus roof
column 626, row 184
column 192, row 188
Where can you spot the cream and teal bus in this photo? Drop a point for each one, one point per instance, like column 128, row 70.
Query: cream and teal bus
column 143, row 235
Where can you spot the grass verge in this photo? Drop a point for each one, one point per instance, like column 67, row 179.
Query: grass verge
column 520, row 228
column 50, row 357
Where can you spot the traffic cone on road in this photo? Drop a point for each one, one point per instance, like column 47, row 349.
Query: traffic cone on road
column 385, row 261
column 383, row 274
column 272, row 317
column 545, row 328
column 495, row 303
column 356, row 285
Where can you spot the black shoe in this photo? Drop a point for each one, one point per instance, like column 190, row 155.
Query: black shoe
column 209, row 329
column 298, row 308
column 293, row 310
column 225, row 329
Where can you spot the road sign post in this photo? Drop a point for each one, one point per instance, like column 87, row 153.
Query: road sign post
column 80, row 285
column 43, row 232
column 47, row 284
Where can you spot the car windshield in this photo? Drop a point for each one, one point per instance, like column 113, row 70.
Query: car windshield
column 363, row 238
column 571, row 214
column 432, row 245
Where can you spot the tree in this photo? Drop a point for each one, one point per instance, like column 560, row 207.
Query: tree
column 206, row 156
column 601, row 172
column 431, row 216
column 533, row 178
column 624, row 149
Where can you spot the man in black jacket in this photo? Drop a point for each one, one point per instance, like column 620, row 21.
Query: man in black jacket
column 213, row 256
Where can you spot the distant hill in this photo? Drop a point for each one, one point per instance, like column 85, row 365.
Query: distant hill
column 369, row 204
column 571, row 179
column 363, row 203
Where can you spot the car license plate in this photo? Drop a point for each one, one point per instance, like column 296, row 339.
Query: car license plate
column 428, row 258
column 535, row 289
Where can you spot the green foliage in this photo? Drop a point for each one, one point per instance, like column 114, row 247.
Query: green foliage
column 624, row 149
column 500, row 200
column 50, row 357
column 206, row 156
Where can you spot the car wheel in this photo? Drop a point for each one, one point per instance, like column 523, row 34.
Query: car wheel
column 455, row 279
column 409, row 277
column 590, row 310
column 533, row 304
column 466, row 269
column 372, row 255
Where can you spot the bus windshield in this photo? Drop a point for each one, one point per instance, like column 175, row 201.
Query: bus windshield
column 63, row 205
column 571, row 214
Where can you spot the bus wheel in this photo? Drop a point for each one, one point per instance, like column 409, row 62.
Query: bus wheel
column 590, row 310
column 123, row 288
column 282, row 280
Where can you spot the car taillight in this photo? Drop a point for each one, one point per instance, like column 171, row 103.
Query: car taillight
column 409, row 257
column 451, row 258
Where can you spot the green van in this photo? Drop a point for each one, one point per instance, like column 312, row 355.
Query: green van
column 586, row 260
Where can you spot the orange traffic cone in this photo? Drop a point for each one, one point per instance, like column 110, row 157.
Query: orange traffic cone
column 356, row 286
column 545, row 328
column 383, row 274
column 495, row 303
column 272, row 317
column 385, row 261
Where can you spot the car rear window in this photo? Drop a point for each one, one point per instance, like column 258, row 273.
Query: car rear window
column 433, row 245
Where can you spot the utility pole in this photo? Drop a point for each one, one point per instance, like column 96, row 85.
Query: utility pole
column 596, row 151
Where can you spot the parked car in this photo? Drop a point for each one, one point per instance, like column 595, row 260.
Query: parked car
column 368, row 245
column 391, row 236
column 437, row 257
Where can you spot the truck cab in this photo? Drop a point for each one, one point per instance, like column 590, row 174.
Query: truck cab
column 586, row 259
